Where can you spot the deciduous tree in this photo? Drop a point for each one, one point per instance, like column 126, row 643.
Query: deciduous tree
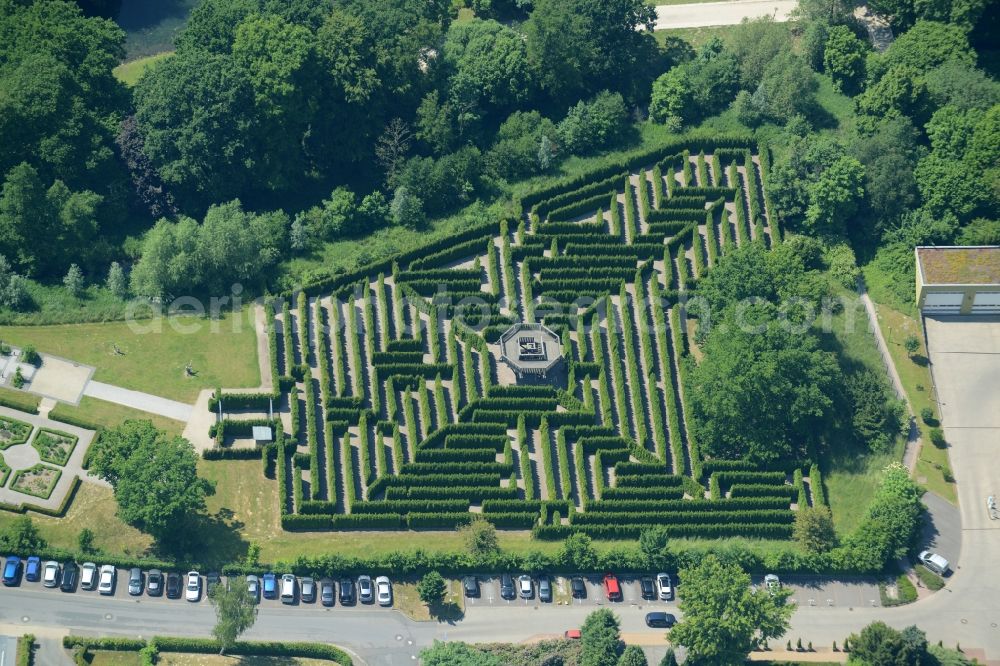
column 235, row 611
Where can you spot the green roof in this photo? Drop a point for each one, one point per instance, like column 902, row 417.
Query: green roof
column 960, row 265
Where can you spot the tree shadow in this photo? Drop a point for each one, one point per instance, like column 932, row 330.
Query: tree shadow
column 920, row 360
column 448, row 611
column 211, row 540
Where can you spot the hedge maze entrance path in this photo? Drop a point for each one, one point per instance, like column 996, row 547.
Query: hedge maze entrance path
column 407, row 418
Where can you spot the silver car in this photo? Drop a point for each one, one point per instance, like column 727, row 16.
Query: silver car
column 51, row 574
column 366, row 593
column 384, row 588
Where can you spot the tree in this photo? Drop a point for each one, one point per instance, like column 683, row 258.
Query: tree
column 672, row 96
column 432, row 588
column 154, row 478
column 456, row 654
column 750, row 360
column 13, row 287
column 407, row 209
column 911, row 344
column 235, row 611
column 594, row 124
column 877, row 418
column 880, row 644
column 480, row 537
column 600, row 639
column 633, row 656
column 787, row 88
column 723, row 618
column 669, row 659
column 74, row 281
column 578, row 552
column 653, row 543
column 580, row 47
column 21, row 536
column 85, row 541
column 844, row 58
column 755, row 44
column 392, row 147
column 116, row 282
column 814, row 529
column 835, row 195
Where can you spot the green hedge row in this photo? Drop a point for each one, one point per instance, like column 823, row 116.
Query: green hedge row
column 472, row 493
column 816, row 486
column 643, row 492
column 634, row 531
column 454, row 250
column 455, row 455
column 579, row 207
column 433, row 274
column 685, row 517
column 587, row 188
column 411, row 506
column 637, row 505
column 762, row 490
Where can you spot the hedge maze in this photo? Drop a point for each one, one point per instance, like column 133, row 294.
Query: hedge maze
column 397, row 413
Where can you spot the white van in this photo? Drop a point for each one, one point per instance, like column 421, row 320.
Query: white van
column 934, row 562
column 288, row 589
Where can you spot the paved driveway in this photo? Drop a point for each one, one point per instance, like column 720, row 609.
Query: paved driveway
column 942, row 527
column 8, row 650
column 703, row 14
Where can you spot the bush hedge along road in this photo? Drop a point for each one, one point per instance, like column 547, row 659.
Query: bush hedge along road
column 407, row 425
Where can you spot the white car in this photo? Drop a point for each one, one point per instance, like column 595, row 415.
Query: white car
column 384, row 591
column 772, row 583
column 664, row 586
column 50, row 574
column 934, row 562
column 525, row 587
column 192, row 591
column 88, row 576
column 106, row 582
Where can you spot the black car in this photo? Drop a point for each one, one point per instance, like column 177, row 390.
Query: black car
column 507, row 590
column 544, row 589
column 470, row 585
column 174, row 585
column 579, row 587
column 70, row 574
column 154, row 583
column 346, row 592
column 327, row 591
column 647, row 587
column 658, row 619
column 211, row 580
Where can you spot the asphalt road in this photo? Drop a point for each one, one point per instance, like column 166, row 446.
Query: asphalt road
column 704, row 14
column 8, row 650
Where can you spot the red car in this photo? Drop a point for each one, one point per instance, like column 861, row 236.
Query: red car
column 612, row 588
column 573, row 633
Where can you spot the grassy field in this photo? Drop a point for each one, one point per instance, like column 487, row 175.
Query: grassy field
column 222, row 352
column 696, row 37
column 109, row 658
column 129, row 72
column 100, row 413
column 406, row 599
column 94, row 507
column 915, row 374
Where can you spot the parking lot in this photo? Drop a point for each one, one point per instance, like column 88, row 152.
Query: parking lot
column 631, row 596
column 829, row 593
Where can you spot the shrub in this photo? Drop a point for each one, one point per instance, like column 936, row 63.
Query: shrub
column 937, row 438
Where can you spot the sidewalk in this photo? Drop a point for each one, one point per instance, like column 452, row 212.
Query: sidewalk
column 146, row 402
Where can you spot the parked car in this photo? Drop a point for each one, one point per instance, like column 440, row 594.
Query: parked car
column 154, row 583
column 135, row 581
column 664, row 586
column 470, row 585
column 33, row 569
column 507, row 587
column 174, row 585
column 347, row 596
column 192, row 590
column 308, row 587
column 525, row 587
column 12, row 570
column 574, row 634
column 211, row 580
column 611, row 588
column 934, row 562
column 772, row 583
column 51, row 574
column 287, row 588
column 578, row 587
column 88, row 576
column 69, row 575
column 660, row 619
column 253, row 587
column 106, row 580
column 384, row 591
column 327, row 592
column 646, row 588
column 544, row 589
column 366, row 591
column 270, row 586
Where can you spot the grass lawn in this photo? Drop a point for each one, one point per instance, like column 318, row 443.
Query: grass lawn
column 94, row 507
column 178, row 659
column 696, row 37
column 94, row 414
column 129, row 72
column 915, row 374
column 115, row 658
column 406, row 599
column 222, row 352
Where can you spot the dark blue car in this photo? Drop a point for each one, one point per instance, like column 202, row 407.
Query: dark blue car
column 33, row 570
column 270, row 586
column 12, row 570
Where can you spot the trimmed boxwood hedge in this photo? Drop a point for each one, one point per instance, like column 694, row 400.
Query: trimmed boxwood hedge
column 634, row 531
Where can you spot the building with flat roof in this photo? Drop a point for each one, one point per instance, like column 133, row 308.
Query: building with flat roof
column 531, row 351
column 958, row 280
